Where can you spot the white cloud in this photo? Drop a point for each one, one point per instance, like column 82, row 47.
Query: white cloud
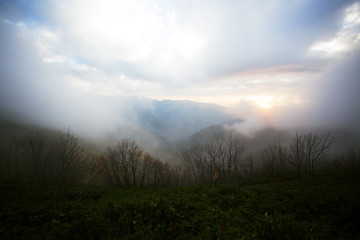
column 352, row 16
column 111, row 30
column 173, row 43
column 346, row 39
column 210, row 51
column 135, row 32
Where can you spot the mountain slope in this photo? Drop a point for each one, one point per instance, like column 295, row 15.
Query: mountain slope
column 176, row 120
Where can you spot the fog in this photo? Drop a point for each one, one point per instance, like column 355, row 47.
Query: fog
column 53, row 76
column 332, row 103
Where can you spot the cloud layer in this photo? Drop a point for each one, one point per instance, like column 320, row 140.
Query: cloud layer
column 61, row 58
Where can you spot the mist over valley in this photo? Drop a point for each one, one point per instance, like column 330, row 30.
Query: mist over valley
column 179, row 119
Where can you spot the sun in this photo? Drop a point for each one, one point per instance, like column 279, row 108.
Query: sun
column 265, row 102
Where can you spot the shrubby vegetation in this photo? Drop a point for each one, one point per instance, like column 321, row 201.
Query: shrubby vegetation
column 57, row 187
column 325, row 207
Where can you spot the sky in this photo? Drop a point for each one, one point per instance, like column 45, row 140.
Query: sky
column 293, row 61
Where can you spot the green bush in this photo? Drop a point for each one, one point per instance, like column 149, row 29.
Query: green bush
column 272, row 210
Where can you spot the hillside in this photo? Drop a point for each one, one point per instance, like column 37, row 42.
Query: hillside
column 175, row 120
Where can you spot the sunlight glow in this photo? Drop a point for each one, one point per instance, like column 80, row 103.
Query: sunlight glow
column 265, row 102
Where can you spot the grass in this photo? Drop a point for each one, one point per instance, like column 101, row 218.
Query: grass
column 325, row 207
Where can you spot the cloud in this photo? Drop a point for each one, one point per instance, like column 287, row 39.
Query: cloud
column 60, row 58
column 136, row 38
column 332, row 100
column 337, row 101
column 180, row 42
column 260, row 35
column 346, row 39
column 251, row 120
column 46, row 93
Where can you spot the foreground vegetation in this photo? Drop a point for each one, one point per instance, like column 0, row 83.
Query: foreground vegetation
column 54, row 187
column 323, row 207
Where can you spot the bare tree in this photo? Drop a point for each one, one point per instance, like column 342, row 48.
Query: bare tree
column 349, row 160
column 194, row 159
column 127, row 164
column 268, row 157
column 17, row 164
column 146, row 169
column 43, row 169
column 160, row 173
column 157, row 173
column 94, row 167
column 48, row 166
column 123, row 162
column 177, row 176
column 232, row 154
column 308, row 149
column 69, row 161
column 217, row 160
column 274, row 158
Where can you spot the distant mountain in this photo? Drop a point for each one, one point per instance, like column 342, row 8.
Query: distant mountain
column 161, row 123
column 175, row 120
column 204, row 135
column 15, row 128
column 254, row 143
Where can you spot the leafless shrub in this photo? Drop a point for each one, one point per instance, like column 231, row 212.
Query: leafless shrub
column 307, row 150
column 49, row 166
column 215, row 161
column 122, row 162
column 274, row 159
